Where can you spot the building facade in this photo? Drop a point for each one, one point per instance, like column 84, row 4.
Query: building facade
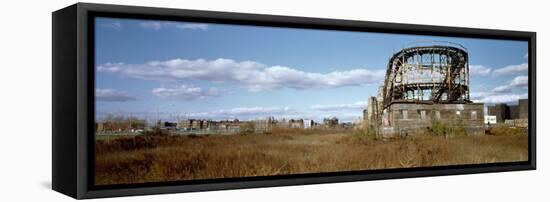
column 408, row 119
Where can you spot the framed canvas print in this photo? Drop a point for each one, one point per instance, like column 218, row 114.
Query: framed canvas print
column 155, row 100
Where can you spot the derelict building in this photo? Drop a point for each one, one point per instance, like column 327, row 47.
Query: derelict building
column 424, row 84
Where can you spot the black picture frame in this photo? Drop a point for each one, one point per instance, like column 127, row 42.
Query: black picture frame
column 73, row 99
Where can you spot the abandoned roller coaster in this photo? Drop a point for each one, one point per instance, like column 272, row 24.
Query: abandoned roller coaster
column 425, row 84
column 427, row 74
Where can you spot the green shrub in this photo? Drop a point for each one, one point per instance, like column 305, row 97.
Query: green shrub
column 156, row 132
column 438, row 128
column 247, row 128
column 459, row 129
column 365, row 131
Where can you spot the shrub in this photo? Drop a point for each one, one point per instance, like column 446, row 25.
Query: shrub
column 459, row 129
column 365, row 130
column 125, row 144
column 247, row 128
column 438, row 128
column 146, row 159
column 505, row 131
column 155, row 132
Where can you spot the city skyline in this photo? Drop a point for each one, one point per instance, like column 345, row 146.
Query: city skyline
column 214, row 71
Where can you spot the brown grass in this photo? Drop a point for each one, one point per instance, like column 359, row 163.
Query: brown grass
column 286, row 151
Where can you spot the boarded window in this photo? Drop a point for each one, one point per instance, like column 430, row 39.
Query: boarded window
column 405, row 114
column 473, row 115
column 423, row 114
column 437, row 115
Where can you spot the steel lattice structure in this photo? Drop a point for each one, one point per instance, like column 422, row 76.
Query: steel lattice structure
column 427, row 74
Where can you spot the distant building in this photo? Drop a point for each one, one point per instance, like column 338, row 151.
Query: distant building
column 523, row 110
column 296, row 123
column 372, row 110
column 186, row 124
column 99, row 127
column 347, row 125
column 501, row 111
column 229, row 124
column 204, row 124
column 194, row 124
column 504, row 112
column 169, row 125
column 308, row 123
column 514, row 111
column 490, row 119
column 330, row 122
column 264, row 124
column 283, row 123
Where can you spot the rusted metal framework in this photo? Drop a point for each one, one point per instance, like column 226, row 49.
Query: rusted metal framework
column 427, row 74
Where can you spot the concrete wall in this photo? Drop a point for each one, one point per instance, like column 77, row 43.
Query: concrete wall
column 501, row 111
column 514, row 112
column 414, row 118
column 523, row 108
column 372, row 109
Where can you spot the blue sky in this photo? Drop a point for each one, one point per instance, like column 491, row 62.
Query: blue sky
column 178, row 69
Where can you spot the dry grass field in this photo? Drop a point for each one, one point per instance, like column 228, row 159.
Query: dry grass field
column 289, row 151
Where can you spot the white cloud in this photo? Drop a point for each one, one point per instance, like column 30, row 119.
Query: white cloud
column 479, row 70
column 520, row 81
column 517, row 82
column 494, row 98
column 151, row 25
column 251, row 75
column 504, row 88
column 511, row 92
column 512, row 69
column 338, row 107
column 157, row 25
column 114, row 25
column 508, row 93
column 187, row 92
column 198, row 26
column 112, row 95
column 244, row 112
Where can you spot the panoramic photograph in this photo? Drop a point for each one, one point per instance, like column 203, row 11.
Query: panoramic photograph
column 182, row 101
